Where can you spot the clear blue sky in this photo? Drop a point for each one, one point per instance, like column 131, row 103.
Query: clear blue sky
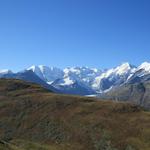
column 94, row 33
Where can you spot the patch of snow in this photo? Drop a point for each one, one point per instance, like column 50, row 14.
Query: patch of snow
column 145, row 66
column 67, row 81
column 91, row 95
column 5, row 71
column 49, row 82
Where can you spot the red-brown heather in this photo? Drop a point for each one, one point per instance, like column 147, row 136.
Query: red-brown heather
column 32, row 118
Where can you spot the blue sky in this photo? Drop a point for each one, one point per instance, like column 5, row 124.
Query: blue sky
column 94, row 33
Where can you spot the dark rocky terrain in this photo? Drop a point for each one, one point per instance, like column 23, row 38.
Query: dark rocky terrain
column 137, row 92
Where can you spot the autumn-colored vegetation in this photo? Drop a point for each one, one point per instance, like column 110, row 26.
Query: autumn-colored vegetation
column 32, row 118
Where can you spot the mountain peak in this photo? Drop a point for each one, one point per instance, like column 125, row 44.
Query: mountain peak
column 122, row 69
column 145, row 66
column 126, row 65
column 33, row 68
column 5, row 71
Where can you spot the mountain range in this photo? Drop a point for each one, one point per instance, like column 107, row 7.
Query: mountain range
column 89, row 81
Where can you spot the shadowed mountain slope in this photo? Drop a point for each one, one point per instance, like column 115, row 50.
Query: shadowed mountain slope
column 30, row 77
column 135, row 92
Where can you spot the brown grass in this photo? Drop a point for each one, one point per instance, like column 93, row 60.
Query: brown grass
column 31, row 113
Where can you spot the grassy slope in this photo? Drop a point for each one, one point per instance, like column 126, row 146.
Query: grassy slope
column 33, row 118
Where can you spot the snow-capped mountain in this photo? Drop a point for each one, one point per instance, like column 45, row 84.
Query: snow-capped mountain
column 142, row 73
column 113, row 77
column 48, row 74
column 77, row 80
column 29, row 76
column 144, row 69
column 145, row 66
column 73, row 80
column 83, row 75
column 5, row 71
column 136, row 89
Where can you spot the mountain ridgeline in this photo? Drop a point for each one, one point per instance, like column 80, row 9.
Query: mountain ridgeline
column 124, row 83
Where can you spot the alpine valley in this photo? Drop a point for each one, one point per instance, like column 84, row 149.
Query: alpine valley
column 37, row 118
column 122, row 83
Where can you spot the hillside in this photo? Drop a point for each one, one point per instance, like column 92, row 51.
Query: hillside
column 28, row 76
column 137, row 93
column 32, row 118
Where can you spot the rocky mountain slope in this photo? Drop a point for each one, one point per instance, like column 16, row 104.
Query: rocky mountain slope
column 136, row 89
